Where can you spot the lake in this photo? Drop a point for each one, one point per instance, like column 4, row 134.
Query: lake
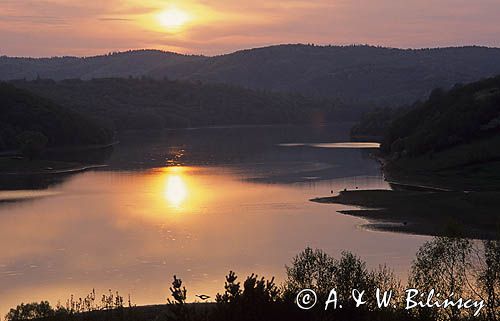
column 195, row 203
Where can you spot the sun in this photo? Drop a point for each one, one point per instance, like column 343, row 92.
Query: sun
column 173, row 18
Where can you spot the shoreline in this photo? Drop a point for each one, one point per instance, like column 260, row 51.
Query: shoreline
column 425, row 203
column 55, row 171
column 429, row 213
column 19, row 166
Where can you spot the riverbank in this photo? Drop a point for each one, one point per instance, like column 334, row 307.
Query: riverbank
column 473, row 176
column 470, row 214
column 431, row 195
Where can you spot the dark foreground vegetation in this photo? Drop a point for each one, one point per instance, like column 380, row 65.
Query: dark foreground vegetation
column 469, row 270
column 155, row 104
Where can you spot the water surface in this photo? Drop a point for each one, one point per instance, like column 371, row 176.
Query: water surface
column 195, row 203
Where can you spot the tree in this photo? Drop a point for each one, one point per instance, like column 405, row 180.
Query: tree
column 488, row 279
column 30, row 311
column 179, row 293
column 442, row 264
column 232, row 290
column 258, row 300
column 351, row 273
column 310, row 269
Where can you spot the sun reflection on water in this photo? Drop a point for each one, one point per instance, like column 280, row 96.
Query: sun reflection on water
column 176, row 191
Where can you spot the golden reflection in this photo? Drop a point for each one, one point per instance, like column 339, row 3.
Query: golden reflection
column 176, row 190
column 179, row 187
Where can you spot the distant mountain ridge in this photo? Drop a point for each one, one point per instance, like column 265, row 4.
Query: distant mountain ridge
column 363, row 75
column 134, row 63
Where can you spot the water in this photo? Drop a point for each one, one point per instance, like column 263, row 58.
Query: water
column 195, row 203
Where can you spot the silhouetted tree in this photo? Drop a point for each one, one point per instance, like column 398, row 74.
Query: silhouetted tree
column 442, row 264
column 310, row 269
column 232, row 290
column 30, row 311
column 488, row 279
column 179, row 292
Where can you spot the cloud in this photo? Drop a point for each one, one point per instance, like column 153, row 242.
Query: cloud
column 50, row 20
column 114, row 19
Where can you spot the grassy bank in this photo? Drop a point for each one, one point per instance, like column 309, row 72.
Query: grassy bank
column 474, row 167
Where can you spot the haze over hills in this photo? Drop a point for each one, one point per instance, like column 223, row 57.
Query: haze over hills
column 361, row 75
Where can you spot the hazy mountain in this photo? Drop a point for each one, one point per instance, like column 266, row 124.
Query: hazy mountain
column 122, row 64
column 355, row 74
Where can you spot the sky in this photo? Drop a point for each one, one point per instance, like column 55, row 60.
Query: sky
column 40, row 28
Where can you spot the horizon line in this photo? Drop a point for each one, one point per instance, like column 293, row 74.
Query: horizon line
column 110, row 53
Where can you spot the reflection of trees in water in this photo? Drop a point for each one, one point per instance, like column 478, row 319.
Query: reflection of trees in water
column 32, row 182
column 227, row 145
column 44, row 181
column 85, row 156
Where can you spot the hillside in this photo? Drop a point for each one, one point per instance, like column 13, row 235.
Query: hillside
column 441, row 158
column 131, row 63
column 451, row 140
column 22, row 111
column 146, row 104
column 462, row 115
column 357, row 75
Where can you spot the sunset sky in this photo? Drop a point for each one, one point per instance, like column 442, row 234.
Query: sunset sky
column 75, row 27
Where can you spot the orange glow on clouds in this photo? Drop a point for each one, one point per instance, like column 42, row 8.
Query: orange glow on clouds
column 173, row 18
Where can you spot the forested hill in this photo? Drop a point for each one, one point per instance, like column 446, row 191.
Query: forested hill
column 148, row 104
column 24, row 113
column 120, row 64
column 361, row 75
column 466, row 115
